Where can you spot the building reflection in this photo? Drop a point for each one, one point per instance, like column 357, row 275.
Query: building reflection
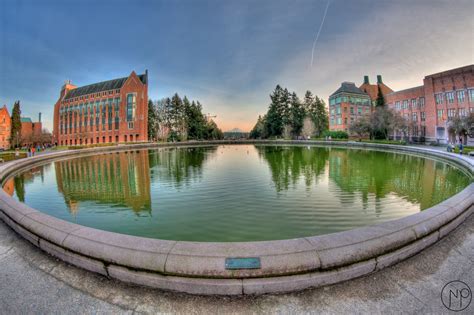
column 418, row 180
column 364, row 173
column 120, row 179
column 17, row 184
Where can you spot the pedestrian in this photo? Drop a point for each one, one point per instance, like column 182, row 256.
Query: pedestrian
column 450, row 147
column 460, row 148
column 32, row 151
column 17, row 153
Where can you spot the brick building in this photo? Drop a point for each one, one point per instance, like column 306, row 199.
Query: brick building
column 350, row 102
column 5, row 128
column 30, row 131
column 431, row 106
column 104, row 112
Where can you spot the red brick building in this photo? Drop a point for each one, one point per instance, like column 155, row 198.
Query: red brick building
column 30, row 131
column 5, row 128
column 429, row 107
column 350, row 102
column 104, row 112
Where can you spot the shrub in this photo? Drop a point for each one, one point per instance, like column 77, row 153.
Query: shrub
column 336, row 134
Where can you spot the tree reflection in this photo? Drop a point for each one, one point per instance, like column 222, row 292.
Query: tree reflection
column 289, row 164
column 179, row 165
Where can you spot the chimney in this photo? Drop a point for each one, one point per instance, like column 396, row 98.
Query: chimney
column 39, row 117
column 379, row 79
column 366, row 79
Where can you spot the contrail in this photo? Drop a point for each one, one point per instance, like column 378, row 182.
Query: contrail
column 319, row 31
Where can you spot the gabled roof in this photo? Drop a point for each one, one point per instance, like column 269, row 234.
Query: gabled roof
column 102, row 86
column 26, row 120
column 5, row 109
column 349, row 87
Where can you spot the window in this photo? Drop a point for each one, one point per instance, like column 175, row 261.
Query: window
column 450, row 97
column 422, row 102
column 422, row 116
column 352, row 110
column 471, row 95
column 132, row 103
column 109, row 114
column 103, row 109
column 462, row 112
column 439, row 98
column 451, row 113
column 405, row 104
column 359, row 110
column 460, row 96
column 338, row 110
column 339, row 120
column 397, row 105
column 415, row 117
column 440, row 113
column 413, row 103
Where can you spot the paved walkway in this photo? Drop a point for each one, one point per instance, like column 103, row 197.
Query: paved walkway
column 33, row 282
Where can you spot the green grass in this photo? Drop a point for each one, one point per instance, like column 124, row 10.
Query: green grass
column 465, row 150
column 10, row 155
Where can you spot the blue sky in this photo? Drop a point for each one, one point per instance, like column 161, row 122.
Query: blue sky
column 227, row 54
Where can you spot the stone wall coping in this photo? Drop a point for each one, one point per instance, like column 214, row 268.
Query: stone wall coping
column 285, row 264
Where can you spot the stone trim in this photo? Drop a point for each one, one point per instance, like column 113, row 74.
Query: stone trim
column 199, row 267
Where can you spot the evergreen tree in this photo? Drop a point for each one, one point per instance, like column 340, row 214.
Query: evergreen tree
column 308, row 101
column 297, row 115
column 258, row 130
column 380, row 98
column 153, row 122
column 274, row 122
column 16, row 126
column 177, row 116
column 195, row 121
column 319, row 116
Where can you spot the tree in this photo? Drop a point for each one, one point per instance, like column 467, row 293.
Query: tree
column 360, row 127
column 308, row 127
column 195, row 120
column 274, row 122
column 152, row 121
column 258, row 130
column 319, row 115
column 177, row 116
column 16, row 126
column 297, row 116
column 213, row 132
column 380, row 98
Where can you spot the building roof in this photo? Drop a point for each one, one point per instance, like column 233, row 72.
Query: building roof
column 373, row 90
column 26, row 120
column 349, row 87
column 102, row 86
column 5, row 109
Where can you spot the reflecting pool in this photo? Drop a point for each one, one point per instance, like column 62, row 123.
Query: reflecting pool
column 237, row 192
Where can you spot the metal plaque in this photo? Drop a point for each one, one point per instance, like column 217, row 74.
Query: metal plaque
column 243, row 263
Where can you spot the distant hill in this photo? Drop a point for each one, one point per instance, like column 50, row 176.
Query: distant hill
column 235, row 130
column 236, row 133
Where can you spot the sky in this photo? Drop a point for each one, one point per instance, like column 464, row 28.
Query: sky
column 227, row 54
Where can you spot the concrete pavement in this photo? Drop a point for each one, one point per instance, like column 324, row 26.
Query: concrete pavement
column 33, row 282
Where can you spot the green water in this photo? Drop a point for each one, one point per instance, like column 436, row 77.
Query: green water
column 237, row 192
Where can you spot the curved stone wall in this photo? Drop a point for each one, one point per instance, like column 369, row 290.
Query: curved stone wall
column 200, row 267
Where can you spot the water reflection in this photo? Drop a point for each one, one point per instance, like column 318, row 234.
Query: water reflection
column 236, row 193
column 117, row 179
column 179, row 166
column 289, row 164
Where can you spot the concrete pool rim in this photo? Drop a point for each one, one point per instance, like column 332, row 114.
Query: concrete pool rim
column 200, row 268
